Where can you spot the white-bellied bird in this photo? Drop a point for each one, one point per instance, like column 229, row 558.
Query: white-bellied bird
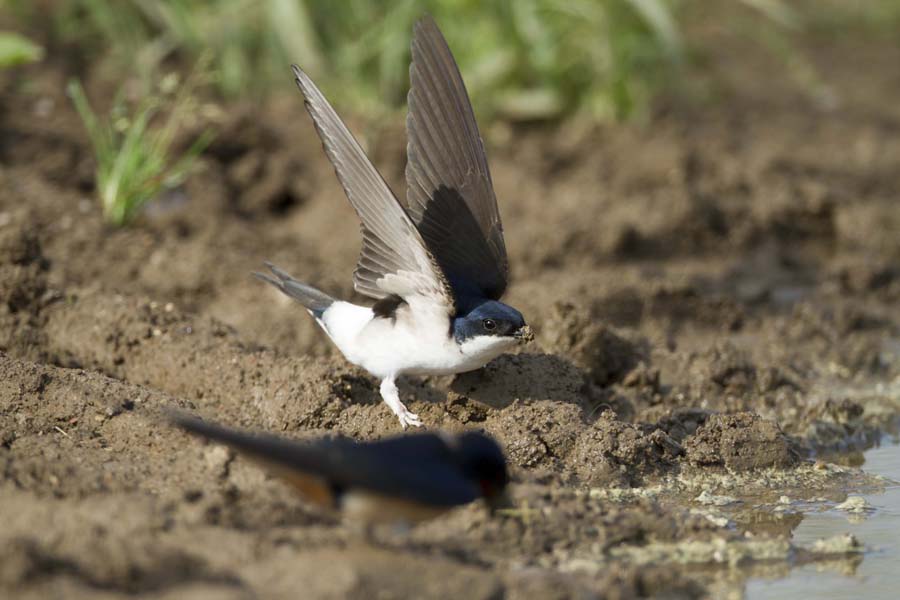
column 436, row 266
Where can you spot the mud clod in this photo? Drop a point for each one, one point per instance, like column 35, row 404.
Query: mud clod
column 740, row 442
column 538, row 434
column 612, row 452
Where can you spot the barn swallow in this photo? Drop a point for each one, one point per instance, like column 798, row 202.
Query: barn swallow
column 435, row 266
column 402, row 479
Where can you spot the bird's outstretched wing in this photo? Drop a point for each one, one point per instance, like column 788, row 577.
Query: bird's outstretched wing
column 416, row 468
column 394, row 260
column 450, row 195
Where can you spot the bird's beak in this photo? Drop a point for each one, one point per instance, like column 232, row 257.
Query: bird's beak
column 499, row 501
column 524, row 334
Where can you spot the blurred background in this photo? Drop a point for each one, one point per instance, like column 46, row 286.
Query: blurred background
column 524, row 60
column 158, row 72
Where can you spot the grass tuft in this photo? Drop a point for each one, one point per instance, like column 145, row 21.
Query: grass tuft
column 133, row 156
column 17, row 50
column 529, row 59
column 521, row 60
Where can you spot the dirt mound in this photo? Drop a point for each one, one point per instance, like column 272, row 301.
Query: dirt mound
column 740, row 442
column 620, row 454
column 575, row 333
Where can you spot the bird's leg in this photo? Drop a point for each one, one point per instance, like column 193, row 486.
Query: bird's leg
column 391, row 397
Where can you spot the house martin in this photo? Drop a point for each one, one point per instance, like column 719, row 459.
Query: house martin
column 436, row 266
column 403, row 479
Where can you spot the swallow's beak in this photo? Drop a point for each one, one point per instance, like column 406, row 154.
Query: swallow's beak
column 524, row 334
column 499, row 502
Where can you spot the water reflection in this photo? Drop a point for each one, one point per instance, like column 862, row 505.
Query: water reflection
column 876, row 573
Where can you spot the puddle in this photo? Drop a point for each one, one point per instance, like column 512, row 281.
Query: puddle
column 877, row 574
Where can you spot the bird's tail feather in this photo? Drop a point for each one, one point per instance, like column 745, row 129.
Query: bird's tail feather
column 315, row 300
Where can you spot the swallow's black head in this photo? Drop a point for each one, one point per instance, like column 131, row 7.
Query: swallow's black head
column 493, row 319
column 483, row 462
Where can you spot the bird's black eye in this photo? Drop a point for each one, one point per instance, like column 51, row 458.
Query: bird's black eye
column 489, row 324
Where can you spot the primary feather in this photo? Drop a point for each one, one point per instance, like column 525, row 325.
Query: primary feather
column 394, row 258
column 450, row 195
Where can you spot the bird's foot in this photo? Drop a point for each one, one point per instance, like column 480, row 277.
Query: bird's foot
column 392, row 399
column 403, row 414
column 406, row 417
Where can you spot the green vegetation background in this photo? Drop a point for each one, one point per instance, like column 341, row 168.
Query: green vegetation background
column 522, row 60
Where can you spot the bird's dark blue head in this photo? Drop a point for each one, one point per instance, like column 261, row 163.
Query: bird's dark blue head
column 481, row 460
column 490, row 318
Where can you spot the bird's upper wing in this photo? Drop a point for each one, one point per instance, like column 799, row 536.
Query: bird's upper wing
column 450, row 195
column 394, row 258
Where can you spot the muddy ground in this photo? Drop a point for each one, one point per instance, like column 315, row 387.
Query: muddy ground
column 715, row 293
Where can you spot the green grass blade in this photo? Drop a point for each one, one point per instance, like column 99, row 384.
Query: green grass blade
column 18, row 50
column 134, row 162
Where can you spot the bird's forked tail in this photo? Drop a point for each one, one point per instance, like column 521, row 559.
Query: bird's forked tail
column 316, row 301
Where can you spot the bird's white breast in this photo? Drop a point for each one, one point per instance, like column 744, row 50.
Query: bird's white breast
column 416, row 341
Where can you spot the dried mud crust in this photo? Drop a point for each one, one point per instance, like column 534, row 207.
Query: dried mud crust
column 715, row 296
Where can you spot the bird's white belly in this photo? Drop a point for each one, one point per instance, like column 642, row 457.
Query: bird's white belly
column 386, row 347
column 414, row 345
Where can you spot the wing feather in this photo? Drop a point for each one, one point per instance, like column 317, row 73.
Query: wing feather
column 394, row 259
column 418, row 467
column 450, row 196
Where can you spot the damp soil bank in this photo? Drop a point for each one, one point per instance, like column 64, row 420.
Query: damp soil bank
column 715, row 292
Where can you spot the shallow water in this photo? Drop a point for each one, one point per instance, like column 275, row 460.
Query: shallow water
column 877, row 575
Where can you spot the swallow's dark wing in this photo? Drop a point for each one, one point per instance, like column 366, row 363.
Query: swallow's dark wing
column 297, row 463
column 418, row 468
column 450, row 195
column 394, row 258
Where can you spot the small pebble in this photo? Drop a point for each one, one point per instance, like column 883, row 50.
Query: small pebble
column 855, row 504
column 839, row 544
column 709, row 499
column 44, row 106
column 217, row 458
